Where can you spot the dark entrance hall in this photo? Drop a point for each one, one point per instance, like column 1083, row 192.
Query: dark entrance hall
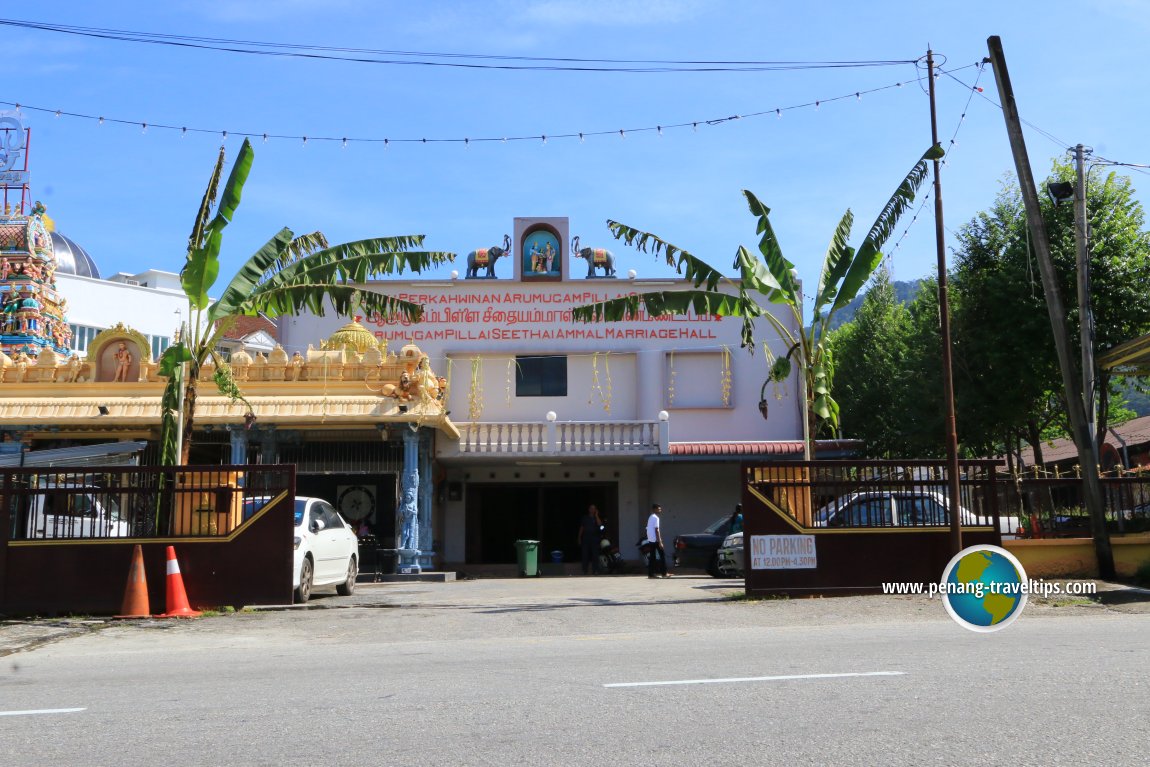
column 499, row 515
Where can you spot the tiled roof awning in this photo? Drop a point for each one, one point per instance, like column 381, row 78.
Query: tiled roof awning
column 784, row 449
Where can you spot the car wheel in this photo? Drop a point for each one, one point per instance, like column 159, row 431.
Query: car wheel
column 713, row 567
column 346, row 588
column 305, row 578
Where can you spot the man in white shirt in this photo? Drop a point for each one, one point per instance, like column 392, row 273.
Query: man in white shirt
column 657, row 559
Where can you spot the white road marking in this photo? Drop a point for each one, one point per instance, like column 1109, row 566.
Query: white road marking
column 757, row 679
column 42, row 711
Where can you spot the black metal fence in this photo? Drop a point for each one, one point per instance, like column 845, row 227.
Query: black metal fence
column 136, row 502
column 881, row 494
column 1054, row 506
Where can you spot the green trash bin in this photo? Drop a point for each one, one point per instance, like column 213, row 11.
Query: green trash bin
column 527, row 553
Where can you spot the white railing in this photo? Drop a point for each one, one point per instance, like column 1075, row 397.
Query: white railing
column 568, row 438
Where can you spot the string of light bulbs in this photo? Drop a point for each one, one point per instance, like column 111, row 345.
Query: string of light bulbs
column 345, row 141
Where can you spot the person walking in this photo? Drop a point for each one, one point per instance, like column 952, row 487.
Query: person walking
column 588, row 539
column 657, row 559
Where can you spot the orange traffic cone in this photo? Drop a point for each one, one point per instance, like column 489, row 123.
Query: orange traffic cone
column 135, row 603
column 178, row 606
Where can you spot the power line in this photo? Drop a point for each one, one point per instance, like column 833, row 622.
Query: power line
column 440, row 59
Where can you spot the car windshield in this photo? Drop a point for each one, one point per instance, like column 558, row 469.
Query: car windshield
column 719, row 526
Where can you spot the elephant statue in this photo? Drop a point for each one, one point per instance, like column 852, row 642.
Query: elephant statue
column 596, row 258
column 486, row 257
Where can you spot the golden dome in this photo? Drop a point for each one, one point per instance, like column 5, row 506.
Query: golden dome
column 351, row 336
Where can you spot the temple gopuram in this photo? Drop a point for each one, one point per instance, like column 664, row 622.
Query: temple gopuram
column 33, row 311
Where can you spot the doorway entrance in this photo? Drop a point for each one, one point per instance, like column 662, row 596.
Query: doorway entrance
column 499, row 515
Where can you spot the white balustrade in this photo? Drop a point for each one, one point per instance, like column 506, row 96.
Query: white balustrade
column 563, row 438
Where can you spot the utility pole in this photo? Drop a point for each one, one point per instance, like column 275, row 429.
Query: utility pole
column 954, row 494
column 1085, row 312
column 1075, row 410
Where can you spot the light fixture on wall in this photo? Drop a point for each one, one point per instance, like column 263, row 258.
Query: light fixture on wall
column 551, row 416
column 1060, row 191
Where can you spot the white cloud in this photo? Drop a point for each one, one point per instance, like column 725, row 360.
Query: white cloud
column 611, row 12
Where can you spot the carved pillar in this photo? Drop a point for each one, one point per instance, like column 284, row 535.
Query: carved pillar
column 426, row 528
column 407, row 512
column 239, row 437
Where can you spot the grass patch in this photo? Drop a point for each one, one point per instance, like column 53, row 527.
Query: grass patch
column 742, row 596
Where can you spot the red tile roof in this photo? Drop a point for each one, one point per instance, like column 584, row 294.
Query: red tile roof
column 740, row 449
column 246, row 326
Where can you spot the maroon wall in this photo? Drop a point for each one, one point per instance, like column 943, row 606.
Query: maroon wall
column 851, row 562
column 88, row 577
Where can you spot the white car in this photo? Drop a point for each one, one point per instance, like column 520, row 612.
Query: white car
column 901, row 508
column 74, row 511
column 326, row 549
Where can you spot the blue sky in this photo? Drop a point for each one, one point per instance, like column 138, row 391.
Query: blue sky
column 129, row 196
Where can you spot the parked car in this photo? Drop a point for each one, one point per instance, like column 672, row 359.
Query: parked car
column 731, row 556
column 74, row 511
column 900, row 508
column 326, row 549
column 701, row 550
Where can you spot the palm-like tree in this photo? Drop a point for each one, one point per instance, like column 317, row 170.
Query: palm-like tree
column 288, row 274
column 770, row 280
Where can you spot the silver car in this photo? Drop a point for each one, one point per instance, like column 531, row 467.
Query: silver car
column 731, row 556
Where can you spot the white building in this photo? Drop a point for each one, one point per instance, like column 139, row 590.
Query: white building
column 556, row 415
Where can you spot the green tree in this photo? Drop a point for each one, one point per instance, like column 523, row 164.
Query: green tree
column 870, row 370
column 287, row 275
column 770, row 279
column 1008, row 385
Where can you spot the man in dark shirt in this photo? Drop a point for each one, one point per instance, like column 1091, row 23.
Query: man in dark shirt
column 589, row 539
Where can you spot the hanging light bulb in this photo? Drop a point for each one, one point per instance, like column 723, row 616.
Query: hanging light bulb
column 265, row 138
column 695, row 127
column 580, row 138
column 858, row 96
column 304, row 142
column 622, row 134
column 57, row 113
column 659, row 129
column 100, row 121
column 817, row 106
column 143, row 127
column 779, row 113
column 544, row 139
column 345, row 143
column 223, row 136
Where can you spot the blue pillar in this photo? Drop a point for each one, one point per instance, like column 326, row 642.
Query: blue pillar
column 239, row 437
column 426, row 529
column 408, row 509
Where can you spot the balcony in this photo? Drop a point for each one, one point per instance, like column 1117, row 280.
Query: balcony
column 549, row 438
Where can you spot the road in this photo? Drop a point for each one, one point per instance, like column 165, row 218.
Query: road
column 542, row 673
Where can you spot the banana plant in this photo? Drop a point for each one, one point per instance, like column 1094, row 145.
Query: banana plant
column 287, row 275
column 769, row 279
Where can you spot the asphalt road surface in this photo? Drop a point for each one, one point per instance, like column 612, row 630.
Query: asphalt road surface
column 582, row 671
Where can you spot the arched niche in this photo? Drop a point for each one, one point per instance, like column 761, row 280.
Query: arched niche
column 102, row 351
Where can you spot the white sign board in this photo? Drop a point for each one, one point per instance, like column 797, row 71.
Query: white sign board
column 783, row 552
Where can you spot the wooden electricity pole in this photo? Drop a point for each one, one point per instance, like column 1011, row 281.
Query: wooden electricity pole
column 953, row 491
column 1075, row 409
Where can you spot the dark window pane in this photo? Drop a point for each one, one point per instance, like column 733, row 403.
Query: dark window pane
column 541, row 376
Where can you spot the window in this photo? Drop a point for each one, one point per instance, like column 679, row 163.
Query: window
column 920, row 510
column 544, row 376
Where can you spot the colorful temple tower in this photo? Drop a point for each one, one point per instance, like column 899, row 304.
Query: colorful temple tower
column 31, row 310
